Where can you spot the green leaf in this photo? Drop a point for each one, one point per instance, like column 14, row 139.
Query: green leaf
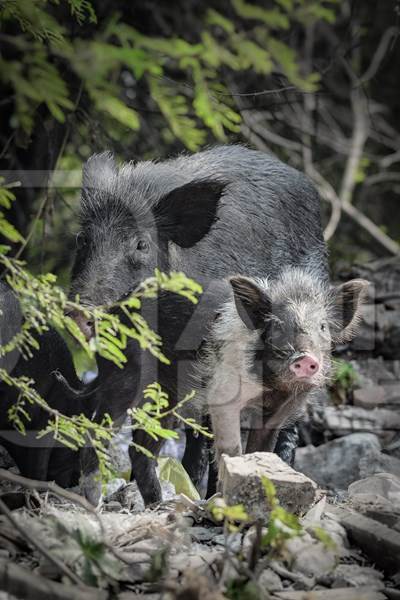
column 273, row 18
column 172, row 470
column 118, row 110
column 215, row 18
column 8, row 230
column 324, row 537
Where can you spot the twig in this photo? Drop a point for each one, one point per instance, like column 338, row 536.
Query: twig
column 46, row 486
column 51, row 557
column 358, row 139
column 387, row 37
column 50, row 486
column 19, row 582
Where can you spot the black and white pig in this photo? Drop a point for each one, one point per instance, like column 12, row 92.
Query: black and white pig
column 212, row 215
column 269, row 350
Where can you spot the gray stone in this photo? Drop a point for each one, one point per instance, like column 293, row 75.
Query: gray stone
column 377, row 462
column 378, row 541
column 343, row 420
column 310, row 557
column 5, row 459
column 378, row 497
column 240, row 479
column 270, row 581
column 336, row 533
column 369, row 397
column 357, row 576
column 335, row 465
column 363, row 593
column 372, row 371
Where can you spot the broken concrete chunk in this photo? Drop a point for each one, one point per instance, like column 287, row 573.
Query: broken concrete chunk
column 240, row 480
column 378, row 541
column 335, row 465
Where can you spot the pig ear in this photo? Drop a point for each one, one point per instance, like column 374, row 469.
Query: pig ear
column 99, row 172
column 252, row 302
column 347, row 301
column 187, row 213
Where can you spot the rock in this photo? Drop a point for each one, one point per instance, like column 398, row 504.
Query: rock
column 378, row 497
column 392, row 395
column 357, row 576
column 381, row 544
column 310, row 557
column 335, row 465
column 369, row 397
column 5, row 459
column 113, row 506
column 384, row 486
column 204, row 534
column 336, row 532
column 240, row 479
column 377, row 462
column 352, row 419
column 372, row 371
column 198, row 558
column 363, row 593
column 270, row 581
column 114, row 486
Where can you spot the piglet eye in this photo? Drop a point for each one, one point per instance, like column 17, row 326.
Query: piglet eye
column 142, row 246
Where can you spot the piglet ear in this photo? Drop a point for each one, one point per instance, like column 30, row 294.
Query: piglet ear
column 186, row 214
column 347, row 302
column 99, row 172
column 252, row 302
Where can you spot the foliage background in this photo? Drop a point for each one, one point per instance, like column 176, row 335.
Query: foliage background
column 313, row 81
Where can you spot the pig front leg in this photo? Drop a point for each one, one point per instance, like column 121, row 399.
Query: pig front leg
column 197, row 453
column 287, row 443
column 144, row 467
column 225, row 421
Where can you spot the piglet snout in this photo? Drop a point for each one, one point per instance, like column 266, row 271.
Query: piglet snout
column 306, row 366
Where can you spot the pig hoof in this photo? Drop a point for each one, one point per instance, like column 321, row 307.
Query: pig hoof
column 91, row 489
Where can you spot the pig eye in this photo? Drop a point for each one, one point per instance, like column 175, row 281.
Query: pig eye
column 142, row 246
column 80, row 240
column 324, row 327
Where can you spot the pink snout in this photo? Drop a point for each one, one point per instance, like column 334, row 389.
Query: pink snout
column 306, row 366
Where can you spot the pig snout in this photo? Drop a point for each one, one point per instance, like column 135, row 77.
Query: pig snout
column 305, row 366
column 84, row 323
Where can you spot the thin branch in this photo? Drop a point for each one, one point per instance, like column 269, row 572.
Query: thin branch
column 255, row 139
column 268, row 135
column 382, row 177
column 46, row 486
column 387, row 161
column 388, row 36
column 358, row 139
column 53, row 488
column 372, row 229
column 21, row 583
